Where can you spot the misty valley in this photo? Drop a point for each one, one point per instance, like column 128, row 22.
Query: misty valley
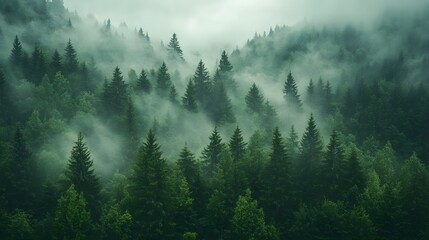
column 316, row 130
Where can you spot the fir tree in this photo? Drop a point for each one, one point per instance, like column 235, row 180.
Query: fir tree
column 237, row 146
column 17, row 53
column 202, row 83
column 211, row 153
column 309, row 162
column 220, row 105
column 292, row 143
column 224, row 65
column 117, row 92
column 311, row 91
column 332, row 169
column 80, row 174
column 149, row 191
column 189, row 99
column 354, row 173
column 56, row 65
column 277, row 181
column 174, row 47
column 37, row 66
column 172, row 96
column 70, row 59
column 163, row 81
column 254, row 100
column 143, row 82
column 291, row 92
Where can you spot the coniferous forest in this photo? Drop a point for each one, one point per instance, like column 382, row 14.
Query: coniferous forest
column 309, row 131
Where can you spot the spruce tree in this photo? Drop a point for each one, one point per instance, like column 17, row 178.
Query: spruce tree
column 56, row 65
column 277, row 181
column 220, row 104
column 237, row 146
column 143, row 82
column 292, row 143
column 202, row 83
column 354, row 172
column 254, row 100
column 117, row 91
column 309, row 163
column 149, row 191
column 17, row 53
column 70, row 59
column 163, row 81
column 291, row 92
column 224, row 65
column 174, row 47
column 189, row 99
column 37, row 66
column 211, row 153
column 81, row 175
column 332, row 169
column 311, row 92
column 172, row 96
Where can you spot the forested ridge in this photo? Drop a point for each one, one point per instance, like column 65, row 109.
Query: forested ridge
column 308, row 131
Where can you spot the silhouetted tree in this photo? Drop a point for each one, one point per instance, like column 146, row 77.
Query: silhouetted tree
column 254, row 100
column 202, row 83
column 163, row 81
column 70, row 59
column 211, row 153
column 143, row 82
column 189, row 99
column 291, row 92
column 174, row 47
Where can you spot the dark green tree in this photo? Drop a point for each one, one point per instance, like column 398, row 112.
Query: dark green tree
column 309, row 163
column 277, row 182
column 220, row 104
column 189, row 99
column 81, row 175
column 254, row 100
column 292, row 144
column 354, row 172
column 56, row 65
column 150, row 191
column 202, row 83
column 163, row 81
column 237, row 146
column 174, row 47
column 143, row 82
column 211, row 153
column 311, row 91
column 117, row 95
column 332, row 170
column 172, row 96
column 224, row 65
column 290, row 91
column 37, row 66
column 115, row 224
column 16, row 53
column 71, row 63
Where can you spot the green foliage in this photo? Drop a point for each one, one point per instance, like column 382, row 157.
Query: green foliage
column 116, row 224
column 174, row 47
column 237, row 146
column 143, row 82
column 189, row 99
column 20, row 226
column 291, row 92
column 211, row 153
column 16, row 53
column 72, row 220
column 70, row 59
column 254, row 100
column 202, row 83
column 163, row 81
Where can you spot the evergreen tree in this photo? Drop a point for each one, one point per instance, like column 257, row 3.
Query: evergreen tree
column 277, row 182
column 254, row 100
column 56, row 65
column 174, row 47
column 268, row 117
column 292, row 144
column 184, row 213
column 332, row 170
column 72, row 220
column 149, row 191
column 22, row 176
column 5, row 103
column 354, row 173
column 237, row 146
column 291, row 92
column 81, row 175
column 163, row 81
column 220, row 104
column 189, row 99
column 224, row 65
column 211, row 152
column 328, row 107
column 172, row 96
column 248, row 221
column 202, row 83
column 311, row 92
column 70, row 59
column 143, row 82
column 38, row 65
column 309, row 163
column 117, row 93
column 115, row 224
column 16, row 53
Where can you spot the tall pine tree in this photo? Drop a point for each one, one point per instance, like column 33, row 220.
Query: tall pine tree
column 291, row 92
column 70, row 59
column 254, row 100
column 189, row 99
column 174, row 47
column 163, row 81
column 143, row 82
column 211, row 153
column 202, row 83
column 237, row 146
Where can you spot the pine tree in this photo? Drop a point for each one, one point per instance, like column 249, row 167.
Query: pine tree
column 291, row 92
column 117, row 91
column 292, row 143
column 202, row 83
column 149, row 191
column 172, row 96
column 277, row 181
column 5, row 103
column 22, row 176
column 163, row 81
column 211, row 153
column 189, row 99
column 354, row 173
column 143, row 82
column 56, row 65
column 220, row 105
column 254, row 100
column 70, row 59
column 328, row 97
column 311, row 92
column 37, row 66
column 174, row 47
column 80, row 174
column 224, row 65
column 332, row 169
column 72, row 220
column 184, row 212
column 237, row 146
column 16, row 53
column 309, row 163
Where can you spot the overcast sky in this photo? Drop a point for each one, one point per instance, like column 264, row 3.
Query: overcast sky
column 202, row 24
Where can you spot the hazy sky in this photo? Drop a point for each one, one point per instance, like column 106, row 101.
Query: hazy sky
column 203, row 24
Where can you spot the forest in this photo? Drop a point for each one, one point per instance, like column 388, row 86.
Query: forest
column 309, row 131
